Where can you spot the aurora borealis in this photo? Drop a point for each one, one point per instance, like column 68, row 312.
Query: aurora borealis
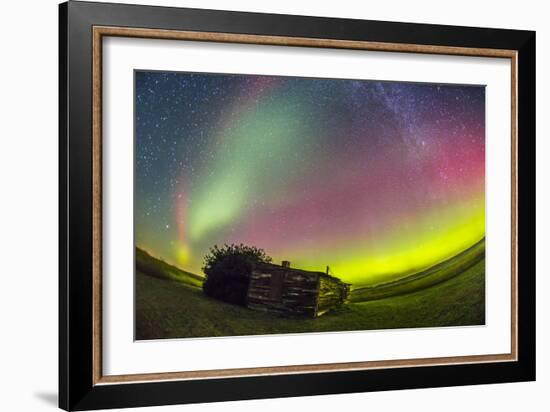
column 375, row 179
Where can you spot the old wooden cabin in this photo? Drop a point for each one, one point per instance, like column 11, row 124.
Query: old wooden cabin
column 282, row 289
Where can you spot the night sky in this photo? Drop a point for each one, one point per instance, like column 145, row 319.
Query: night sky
column 375, row 179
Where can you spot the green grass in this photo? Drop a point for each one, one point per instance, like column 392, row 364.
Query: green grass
column 424, row 279
column 172, row 309
column 145, row 263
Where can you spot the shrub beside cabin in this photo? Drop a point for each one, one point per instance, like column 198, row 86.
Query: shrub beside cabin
column 282, row 289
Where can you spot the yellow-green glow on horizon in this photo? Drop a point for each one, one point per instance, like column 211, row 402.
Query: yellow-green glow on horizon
column 399, row 252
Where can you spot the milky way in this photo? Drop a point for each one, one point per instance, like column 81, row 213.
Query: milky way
column 375, row 179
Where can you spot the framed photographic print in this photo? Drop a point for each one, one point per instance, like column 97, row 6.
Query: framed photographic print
column 257, row 205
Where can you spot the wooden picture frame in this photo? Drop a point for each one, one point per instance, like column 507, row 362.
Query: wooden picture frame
column 82, row 384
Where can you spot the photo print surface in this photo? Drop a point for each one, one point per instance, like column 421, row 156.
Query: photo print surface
column 273, row 205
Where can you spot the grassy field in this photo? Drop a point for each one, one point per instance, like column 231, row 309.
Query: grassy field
column 147, row 264
column 423, row 279
column 168, row 308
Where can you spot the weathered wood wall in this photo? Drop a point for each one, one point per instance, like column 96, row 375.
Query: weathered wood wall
column 283, row 291
column 332, row 293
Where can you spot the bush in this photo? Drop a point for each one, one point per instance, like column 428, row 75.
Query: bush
column 228, row 271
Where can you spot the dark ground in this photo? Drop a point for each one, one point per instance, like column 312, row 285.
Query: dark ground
column 167, row 308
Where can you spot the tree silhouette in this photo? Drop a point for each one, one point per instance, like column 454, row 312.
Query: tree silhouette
column 228, row 271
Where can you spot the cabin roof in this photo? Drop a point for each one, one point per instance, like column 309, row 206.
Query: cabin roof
column 275, row 267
